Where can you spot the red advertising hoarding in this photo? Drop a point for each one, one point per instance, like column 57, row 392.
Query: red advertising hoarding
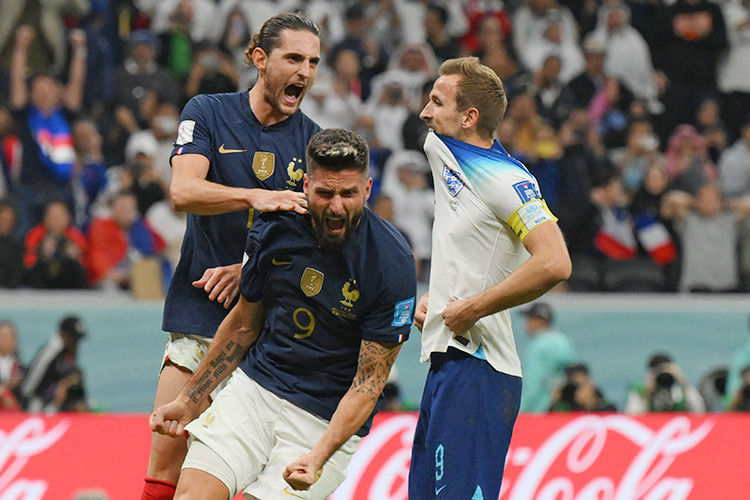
column 552, row 457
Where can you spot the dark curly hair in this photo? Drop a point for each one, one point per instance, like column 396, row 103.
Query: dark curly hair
column 338, row 149
column 269, row 36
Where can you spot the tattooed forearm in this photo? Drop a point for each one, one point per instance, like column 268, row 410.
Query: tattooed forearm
column 217, row 367
column 375, row 362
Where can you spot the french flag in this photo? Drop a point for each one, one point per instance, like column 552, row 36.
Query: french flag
column 615, row 238
column 655, row 238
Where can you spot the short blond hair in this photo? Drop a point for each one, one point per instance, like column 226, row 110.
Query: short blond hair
column 480, row 88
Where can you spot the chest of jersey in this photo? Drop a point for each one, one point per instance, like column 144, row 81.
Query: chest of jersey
column 257, row 157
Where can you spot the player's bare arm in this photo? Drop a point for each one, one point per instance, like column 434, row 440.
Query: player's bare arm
column 375, row 362
column 548, row 265
column 222, row 284
column 239, row 330
column 190, row 191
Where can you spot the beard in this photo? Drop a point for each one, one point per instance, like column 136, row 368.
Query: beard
column 335, row 242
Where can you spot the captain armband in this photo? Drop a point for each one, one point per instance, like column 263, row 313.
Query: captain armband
column 528, row 216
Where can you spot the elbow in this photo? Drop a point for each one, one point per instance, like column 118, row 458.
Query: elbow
column 178, row 197
column 558, row 269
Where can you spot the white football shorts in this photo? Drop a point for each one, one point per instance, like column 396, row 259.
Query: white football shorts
column 248, row 436
column 187, row 351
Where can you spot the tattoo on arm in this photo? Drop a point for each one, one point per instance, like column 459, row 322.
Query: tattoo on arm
column 375, row 362
column 215, row 369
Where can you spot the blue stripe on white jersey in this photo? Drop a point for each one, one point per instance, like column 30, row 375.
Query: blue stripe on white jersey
column 481, row 164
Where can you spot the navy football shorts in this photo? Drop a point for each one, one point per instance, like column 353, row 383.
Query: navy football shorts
column 465, row 424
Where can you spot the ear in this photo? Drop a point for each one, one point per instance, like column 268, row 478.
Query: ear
column 305, row 183
column 260, row 59
column 368, row 188
column 471, row 118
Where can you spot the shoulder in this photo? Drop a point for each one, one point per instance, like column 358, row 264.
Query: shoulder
column 212, row 104
column 385, row 235
column 276, row 224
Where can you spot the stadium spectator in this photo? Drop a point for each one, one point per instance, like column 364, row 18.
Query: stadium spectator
column 579, row 392
column 708, row 236
column 549, row 37
column 734, row 72
column 55, row 251
column 736, row 375
column 628, row 56
column 640, row 152
column 545, row 359
column 54, row 376
column 688, row 165
column 89, row 172
column 440, row 40
column 211, row 71
column 734, row 181
column 371, row 54
column 709, row 125
column 117, row 242
column 11, row 247
column 43, row 115
column 665, row 388
column 12, row 370
column 740, row 400
column 405, row 181
column 687, row 40
column 48, row 51
column 161, row 130
column 554, row 101
column 587, row 83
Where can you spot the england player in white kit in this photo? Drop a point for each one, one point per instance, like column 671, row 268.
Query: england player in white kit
column 495, row 245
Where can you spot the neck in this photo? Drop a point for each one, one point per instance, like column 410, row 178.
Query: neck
column 476, row 140
column 263, row 111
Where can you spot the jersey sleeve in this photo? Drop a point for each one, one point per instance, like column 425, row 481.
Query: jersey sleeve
column 193, row 132
column 514, row 196
column 391, row 317
column 253, row 277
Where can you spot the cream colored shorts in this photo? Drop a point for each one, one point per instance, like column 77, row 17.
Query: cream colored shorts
column 249, row 435
column 187, row 351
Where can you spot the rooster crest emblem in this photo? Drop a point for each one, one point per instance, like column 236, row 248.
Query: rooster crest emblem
column 295, row 174
column 350, row 296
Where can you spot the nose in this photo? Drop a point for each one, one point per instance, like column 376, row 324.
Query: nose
column 425, row 114
column 305, row 69
column 336, row 206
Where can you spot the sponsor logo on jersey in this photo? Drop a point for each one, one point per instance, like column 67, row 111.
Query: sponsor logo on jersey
column 295, row 174
column 224, row 150
column 263, row 164
column 452, row 181
column 311, row 282
column 526, row 190
column 402, row 314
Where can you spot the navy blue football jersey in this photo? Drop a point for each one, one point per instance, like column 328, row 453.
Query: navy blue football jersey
column 242, row 153
column 321, row 304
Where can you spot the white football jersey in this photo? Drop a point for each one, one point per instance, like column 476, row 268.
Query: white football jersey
column 486, row 202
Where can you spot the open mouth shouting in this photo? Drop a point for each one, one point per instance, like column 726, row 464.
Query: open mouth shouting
column 293, row 94
column 335, row 226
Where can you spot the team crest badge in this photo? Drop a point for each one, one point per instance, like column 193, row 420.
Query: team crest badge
column 294, row 171
column 452, row 181
column 350, row 295
column 263, row 164
column 311, row 282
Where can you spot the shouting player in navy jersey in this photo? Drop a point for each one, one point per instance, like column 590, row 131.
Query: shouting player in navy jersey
column 327, row 300
column 235, row 154
column 489, row 216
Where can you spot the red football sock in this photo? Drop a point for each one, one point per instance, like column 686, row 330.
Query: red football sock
column 156, row 489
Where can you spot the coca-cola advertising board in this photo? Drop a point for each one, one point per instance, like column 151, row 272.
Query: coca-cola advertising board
column 552, row 457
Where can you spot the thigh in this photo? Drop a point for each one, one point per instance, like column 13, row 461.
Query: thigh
column 473, row 413
column 295, row 434
column 237, row 428
column 197, row 484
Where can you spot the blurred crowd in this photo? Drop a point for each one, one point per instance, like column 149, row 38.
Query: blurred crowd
column 633, row 115
column 555, row 379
